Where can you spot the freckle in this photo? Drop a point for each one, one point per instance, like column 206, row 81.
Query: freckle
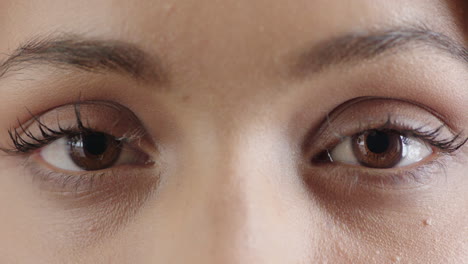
column 186, row 98
column 427, row 222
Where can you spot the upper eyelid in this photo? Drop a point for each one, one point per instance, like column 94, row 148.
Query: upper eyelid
column 54, row 129
column 416, row 125
column 344, row 106
column 449, row 145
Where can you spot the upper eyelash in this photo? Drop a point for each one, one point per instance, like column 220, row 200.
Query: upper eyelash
column 23, row 146
column 449, row 145
column 24, row 141
column 430, row 136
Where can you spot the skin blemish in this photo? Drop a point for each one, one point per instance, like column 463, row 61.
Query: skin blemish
column 427, row 222
column 396, row 259
column 185, row 99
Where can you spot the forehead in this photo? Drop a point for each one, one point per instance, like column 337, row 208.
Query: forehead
column 214, row 40
column 212, row 25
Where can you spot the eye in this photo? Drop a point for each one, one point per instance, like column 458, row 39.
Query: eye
column 381, row 149
column 90, row 151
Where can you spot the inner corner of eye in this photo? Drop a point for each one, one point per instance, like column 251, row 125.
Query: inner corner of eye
column 321, row 157
column 341, row 152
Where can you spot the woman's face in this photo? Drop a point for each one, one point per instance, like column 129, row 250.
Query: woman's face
column 264, row 131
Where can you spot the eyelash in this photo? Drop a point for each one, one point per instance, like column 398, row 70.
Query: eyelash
column 448, row 145
column 24, row 141
column 32, row 143
column 430, row 136
column 24, row 146
column 398, row 178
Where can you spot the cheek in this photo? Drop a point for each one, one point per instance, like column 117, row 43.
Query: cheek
column 49, row 226
column 23, row 224
column 425, row 225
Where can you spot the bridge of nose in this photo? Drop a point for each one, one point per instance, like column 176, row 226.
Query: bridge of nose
column 237, row 197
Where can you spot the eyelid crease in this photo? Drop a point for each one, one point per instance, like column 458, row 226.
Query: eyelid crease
column 344, row 106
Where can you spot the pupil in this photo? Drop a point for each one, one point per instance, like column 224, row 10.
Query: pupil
column 95, row 144
column 378, row 142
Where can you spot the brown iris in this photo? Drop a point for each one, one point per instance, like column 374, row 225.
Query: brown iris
column 94, row 151
column 378, row 149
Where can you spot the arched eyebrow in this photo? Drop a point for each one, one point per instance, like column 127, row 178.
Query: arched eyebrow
column 364, row 46
column 75, row 52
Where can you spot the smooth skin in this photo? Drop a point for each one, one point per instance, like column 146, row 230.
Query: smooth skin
column 228, row 122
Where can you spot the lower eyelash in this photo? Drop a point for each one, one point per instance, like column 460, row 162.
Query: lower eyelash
column 61, row 183
column 79, row 184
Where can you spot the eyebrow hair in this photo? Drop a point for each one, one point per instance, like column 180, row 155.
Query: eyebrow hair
column 97, row 56
column 72, row 51
column 365, row 46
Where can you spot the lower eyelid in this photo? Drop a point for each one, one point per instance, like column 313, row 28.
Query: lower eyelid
column 81, row 184
column 54, row 180
column 352, row 177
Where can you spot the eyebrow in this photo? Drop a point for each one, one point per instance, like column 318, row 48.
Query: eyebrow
column 365, row 46
column 97, row 56
column 71, row 51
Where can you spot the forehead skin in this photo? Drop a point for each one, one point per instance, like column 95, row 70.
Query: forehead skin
column 195, row 38
column 229, row 57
